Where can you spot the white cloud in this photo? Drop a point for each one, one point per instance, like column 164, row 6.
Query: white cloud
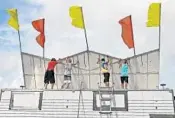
column 101, row 17
column 10, row 68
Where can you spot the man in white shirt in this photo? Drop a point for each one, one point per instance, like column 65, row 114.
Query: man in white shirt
column 67, row 73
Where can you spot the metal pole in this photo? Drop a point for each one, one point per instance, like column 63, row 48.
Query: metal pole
column 20, row 46
column 44, row 58
column 85, row 30
column 135, row 59
column 159, row 41
column 85, row 33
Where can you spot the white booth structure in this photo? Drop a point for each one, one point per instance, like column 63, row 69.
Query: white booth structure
column 143, row 70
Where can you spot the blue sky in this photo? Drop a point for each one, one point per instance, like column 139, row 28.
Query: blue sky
column 102, row 28
column 9, row 44
column 23, row 7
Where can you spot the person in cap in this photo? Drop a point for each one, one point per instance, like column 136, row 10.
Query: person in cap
column 105, row 70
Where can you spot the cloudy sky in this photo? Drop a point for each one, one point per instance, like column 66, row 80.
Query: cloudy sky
column 103, row 30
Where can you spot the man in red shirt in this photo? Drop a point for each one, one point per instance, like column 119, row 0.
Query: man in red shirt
column 49, row 74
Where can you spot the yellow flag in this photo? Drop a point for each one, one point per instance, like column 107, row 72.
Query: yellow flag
column 76, row 14
column 13, row 21
column 154, row 15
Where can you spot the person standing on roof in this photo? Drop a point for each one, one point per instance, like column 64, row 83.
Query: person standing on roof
column 67, row 74
column 49, row 74
column 124, row 74
column 105, row 70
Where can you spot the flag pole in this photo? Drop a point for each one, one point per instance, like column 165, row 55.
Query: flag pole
column 135, row 60
column 87, row 45
column 159, row 41
column 44, row 54
column 44, row 48
column 20, row 47
column 133, row 38
column 160, row 26
column 85, row 33
column 44, row 57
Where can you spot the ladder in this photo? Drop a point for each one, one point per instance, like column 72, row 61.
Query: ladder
column 105, row 97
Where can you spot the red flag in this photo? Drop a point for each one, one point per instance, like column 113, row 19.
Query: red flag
column 39, row 26
column 127, row 31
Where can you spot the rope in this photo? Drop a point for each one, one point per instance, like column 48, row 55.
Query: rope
column 82, row 75
column 79, row 103
column 80, row 97
column 80, row 94
column 83, row 101
column 84, row 60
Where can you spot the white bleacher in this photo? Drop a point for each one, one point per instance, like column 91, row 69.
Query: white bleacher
column 5, row 100
column 64, row 104
column 153, row 102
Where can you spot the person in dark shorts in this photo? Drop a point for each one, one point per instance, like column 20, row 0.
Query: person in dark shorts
column 67, row 74
column 105, row 71
column 49, row 74
column 124, row 74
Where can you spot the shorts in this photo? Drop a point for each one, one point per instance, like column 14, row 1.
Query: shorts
column 49, row 77
column 67, row 78
column 106, row 77
column 124, row 79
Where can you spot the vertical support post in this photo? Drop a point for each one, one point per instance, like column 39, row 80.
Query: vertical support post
column 20, row 46
column 87, row 45
column 159, row 42
column 33, row 61
column 112, row 74
column 40, row 100
column 147, row 71
column 100, row 69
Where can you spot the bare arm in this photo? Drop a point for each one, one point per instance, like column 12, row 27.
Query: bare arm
column 108, row 61
column 59, row 61
column 120, row 63
column 98, row 61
